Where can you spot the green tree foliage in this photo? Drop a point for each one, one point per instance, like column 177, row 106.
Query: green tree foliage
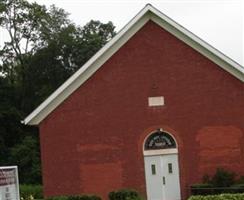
column 29, row 166
column 23, row 22
column 43, row 50
column 10, row 128
column 69, row 49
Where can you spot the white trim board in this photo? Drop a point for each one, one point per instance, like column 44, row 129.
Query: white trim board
column 92, row 65
column 160, row 152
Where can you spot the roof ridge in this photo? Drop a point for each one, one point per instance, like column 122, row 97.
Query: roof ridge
column 95, row 62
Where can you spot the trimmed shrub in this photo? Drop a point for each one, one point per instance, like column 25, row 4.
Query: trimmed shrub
column 218, row 197
column 223, row 181
column 84, row 197
column 208, row 189
column 75, row 197
column 237, row 188
column 28, row 192
column 202, row 189
column 223, row 178
column 57, row 198
column 124, row 194
column 240, row 180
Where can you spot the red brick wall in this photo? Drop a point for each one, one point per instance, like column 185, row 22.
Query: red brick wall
column 92, row 143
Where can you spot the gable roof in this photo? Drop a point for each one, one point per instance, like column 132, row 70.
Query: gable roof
column 92, row 65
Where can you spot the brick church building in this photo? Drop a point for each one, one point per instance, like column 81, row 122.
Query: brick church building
column 155, row 109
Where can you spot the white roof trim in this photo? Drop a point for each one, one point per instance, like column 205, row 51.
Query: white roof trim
column 92, row 65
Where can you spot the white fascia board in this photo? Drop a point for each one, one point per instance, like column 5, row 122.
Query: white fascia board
column 92, row 65
column 89, row 68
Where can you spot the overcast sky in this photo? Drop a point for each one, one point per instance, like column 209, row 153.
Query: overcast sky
column 218, row 22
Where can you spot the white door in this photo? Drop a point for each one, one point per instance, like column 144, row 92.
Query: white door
column 154, row 174
column 162, row 177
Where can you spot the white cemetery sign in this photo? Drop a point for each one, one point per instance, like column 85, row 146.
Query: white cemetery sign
column 9, row 183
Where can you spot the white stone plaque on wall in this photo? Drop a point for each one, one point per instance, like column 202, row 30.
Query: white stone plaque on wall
column 156, row 101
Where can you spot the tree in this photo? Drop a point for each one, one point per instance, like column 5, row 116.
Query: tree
column 66, row 52
column 30, row 28
column 45, row 46
column 28, row 166
column 10, row 128
column 43, row 50
column 23, row 22
column 91, row 38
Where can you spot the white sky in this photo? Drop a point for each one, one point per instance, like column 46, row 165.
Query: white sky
column 218, row 22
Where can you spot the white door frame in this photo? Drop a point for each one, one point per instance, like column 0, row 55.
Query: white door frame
column 161, row 152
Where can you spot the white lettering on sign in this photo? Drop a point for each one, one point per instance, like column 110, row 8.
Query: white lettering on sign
column 156, row 101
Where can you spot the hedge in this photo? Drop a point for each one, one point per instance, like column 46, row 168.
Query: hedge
column 208, row 189
column 28, row 192
column 75, row 197
column 124, row 194
column 218, row 197
column 222, row 182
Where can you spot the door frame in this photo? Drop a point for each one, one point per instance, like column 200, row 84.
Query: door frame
column 158, row 152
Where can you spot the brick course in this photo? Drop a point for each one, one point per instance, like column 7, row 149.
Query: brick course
column 92, row 142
